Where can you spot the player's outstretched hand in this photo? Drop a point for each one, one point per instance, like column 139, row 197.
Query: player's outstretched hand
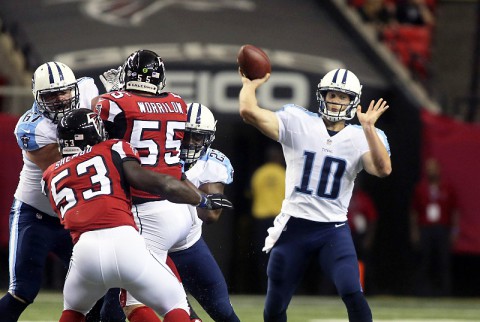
column 111, row 79
column 215, row 201
column 373, row 113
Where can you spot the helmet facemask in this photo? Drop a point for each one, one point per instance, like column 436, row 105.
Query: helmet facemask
column 199, row 134
column 194, row 145
column 344, row 81
column 51, row 104
column 346, row 112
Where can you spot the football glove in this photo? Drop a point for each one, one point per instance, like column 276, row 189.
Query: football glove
column 110, row 79
column 215, row 201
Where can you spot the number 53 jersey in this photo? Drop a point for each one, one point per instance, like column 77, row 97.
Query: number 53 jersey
column 88, row 190
column 321, row 169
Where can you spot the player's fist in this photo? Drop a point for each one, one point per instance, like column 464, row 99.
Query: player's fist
column 215, row 201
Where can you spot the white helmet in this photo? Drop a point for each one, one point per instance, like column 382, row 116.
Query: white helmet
column 341, row 80
column 48, row 82
column 200, row 122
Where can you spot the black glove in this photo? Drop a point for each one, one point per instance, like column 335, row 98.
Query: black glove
column 215, row 201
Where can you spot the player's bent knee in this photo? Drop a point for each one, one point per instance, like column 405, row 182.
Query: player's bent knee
column 18, row 298
column 276, row 265
column 347, row 280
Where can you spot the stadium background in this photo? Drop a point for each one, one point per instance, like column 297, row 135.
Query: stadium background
column 199, row 39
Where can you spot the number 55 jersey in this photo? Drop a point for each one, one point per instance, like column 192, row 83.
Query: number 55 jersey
column 154, row 125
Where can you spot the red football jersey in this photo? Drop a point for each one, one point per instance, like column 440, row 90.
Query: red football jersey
column 154, row 125
column 88, row 190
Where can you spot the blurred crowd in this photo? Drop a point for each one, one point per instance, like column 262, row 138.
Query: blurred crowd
column 404, row 26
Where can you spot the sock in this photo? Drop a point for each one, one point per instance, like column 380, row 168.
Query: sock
column 72, row 316
column 177, row 315
column 357, row 307
column 143, row 314
column 11, row 308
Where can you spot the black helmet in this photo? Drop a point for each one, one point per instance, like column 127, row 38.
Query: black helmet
column 144, row 71
column 79, row 129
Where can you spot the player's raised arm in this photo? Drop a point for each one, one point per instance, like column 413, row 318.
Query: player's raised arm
column 377, row 161
column 264, row 120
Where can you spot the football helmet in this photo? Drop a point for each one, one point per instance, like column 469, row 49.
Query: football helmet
column 55, row 90
column 341, row 80
column 79, row 129
column 143, row 71
column 199, row 133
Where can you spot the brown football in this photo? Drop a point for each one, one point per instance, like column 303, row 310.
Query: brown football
column 253, row 62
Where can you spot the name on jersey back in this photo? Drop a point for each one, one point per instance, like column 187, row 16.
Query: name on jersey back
column 160, row 107
column 71, row 157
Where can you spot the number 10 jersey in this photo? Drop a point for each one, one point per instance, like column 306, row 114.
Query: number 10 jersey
column 321, row 169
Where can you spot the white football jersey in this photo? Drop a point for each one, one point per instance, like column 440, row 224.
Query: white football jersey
column 321, row 169
column 34, row 131
column 213, row 166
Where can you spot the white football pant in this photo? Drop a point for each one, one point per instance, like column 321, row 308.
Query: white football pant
column 118, row 257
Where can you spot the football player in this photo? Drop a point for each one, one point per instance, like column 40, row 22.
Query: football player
column 34, row 228
column 323, row 155
column 89, row 190
column 153, row 121
column 210, row 170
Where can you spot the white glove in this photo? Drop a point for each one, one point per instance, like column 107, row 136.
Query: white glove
column 110, row 79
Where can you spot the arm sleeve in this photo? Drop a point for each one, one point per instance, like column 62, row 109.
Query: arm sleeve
column 88, row 91
column 31, row 137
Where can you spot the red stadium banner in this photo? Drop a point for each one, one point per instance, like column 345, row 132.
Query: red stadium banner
column 457, row 147
column 11, row 166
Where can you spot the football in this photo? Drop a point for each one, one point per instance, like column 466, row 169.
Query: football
column 253, row 62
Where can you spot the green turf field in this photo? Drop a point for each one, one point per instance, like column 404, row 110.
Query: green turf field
column 48, row 307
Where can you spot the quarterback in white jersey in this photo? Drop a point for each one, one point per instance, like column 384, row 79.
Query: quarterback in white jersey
column 209, row 170
column 323, row 156
column 34, row 228
column 321, row 173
